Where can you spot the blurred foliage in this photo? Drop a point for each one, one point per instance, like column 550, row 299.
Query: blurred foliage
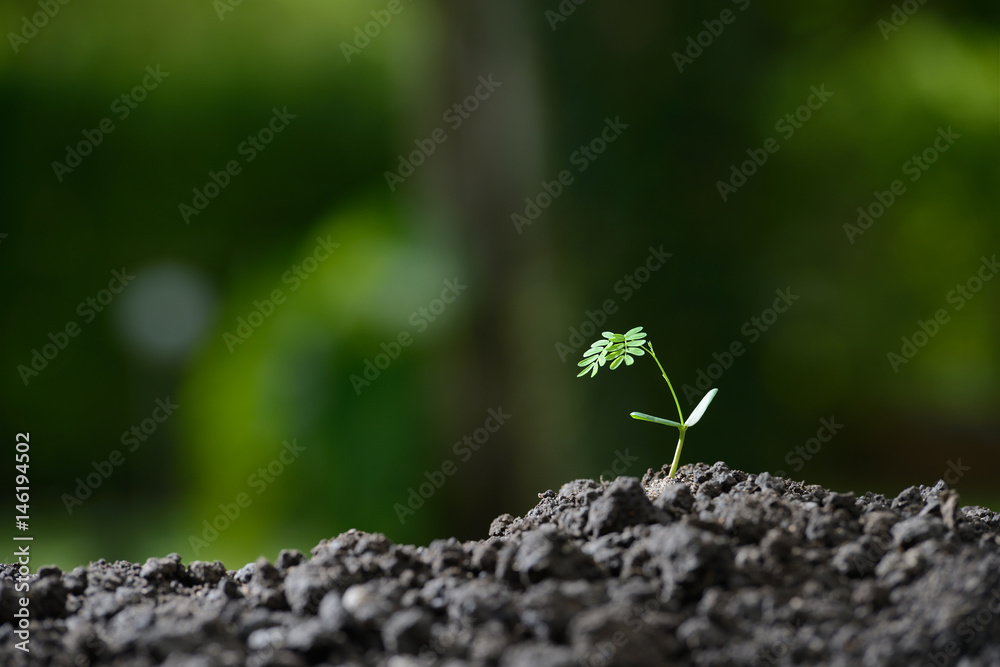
column 494, row 347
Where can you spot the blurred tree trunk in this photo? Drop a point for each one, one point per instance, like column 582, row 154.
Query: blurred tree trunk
column 494, row 162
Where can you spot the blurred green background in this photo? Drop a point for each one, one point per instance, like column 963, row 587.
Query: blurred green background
column 309, row 113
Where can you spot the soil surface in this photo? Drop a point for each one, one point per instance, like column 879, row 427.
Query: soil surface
column 715, row 567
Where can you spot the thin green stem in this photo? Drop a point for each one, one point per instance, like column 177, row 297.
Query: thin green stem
column 677, row 452
column 649, row 348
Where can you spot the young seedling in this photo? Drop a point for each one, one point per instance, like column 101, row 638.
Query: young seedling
column 618, row 349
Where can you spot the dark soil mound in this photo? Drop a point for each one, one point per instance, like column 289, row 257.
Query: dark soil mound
column 717, row 567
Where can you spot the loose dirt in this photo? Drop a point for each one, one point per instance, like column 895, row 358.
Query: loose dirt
column 715, row 567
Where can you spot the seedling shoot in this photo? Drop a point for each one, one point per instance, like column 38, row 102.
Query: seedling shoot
column 617, row 349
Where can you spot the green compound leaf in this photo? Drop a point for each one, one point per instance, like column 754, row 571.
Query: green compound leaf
column 592, row 369
column 593, row 358
column 615, row 349
column 699, row 409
